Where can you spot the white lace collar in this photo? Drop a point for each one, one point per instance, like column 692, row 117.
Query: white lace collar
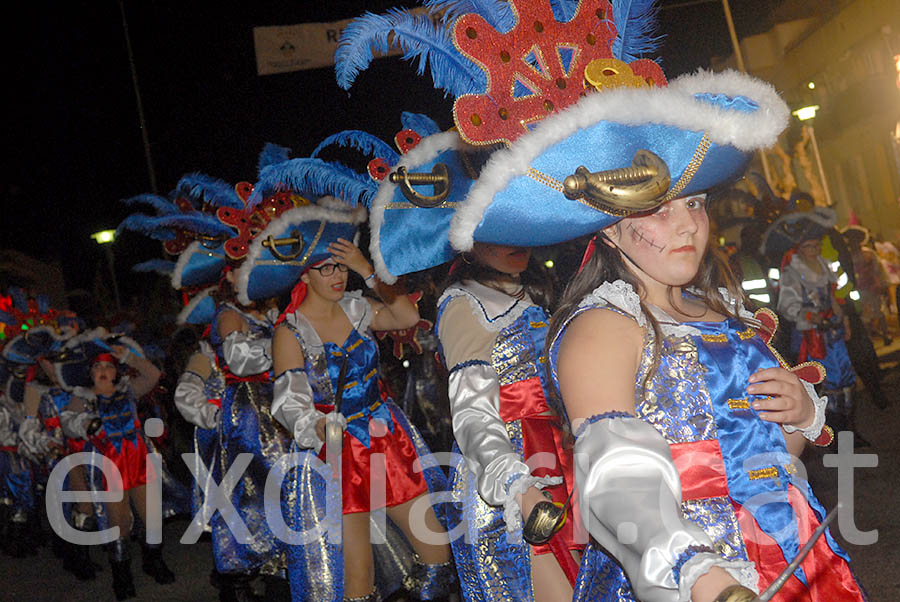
column 494, row 309
column 621, row 295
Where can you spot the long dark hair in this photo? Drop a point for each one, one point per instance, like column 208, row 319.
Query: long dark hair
column 607, row 265
column 536, row 280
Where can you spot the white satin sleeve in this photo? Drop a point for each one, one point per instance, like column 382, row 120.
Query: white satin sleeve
column 790, row 299
column 34, row 438
column 631, row 503
column 246, row 355
column 482, row 437
column 292, row 406
column 75, row 422
column 191, row 400
column 8, row 437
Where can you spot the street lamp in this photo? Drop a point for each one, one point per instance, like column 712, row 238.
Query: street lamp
column 805, row 114
column 105, row 238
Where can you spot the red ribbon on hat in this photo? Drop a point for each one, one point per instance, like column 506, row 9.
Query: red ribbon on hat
column 298, row 294
column 588, row 253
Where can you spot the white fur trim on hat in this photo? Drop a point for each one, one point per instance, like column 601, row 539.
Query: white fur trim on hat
column 673, row 105
column 327, row 209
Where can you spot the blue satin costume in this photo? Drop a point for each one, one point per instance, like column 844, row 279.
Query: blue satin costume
column 697, row 396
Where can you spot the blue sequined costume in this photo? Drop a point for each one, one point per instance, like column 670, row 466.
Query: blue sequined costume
column 246, row 426
column 501, row 420
column 729, row 459
column 314, row 501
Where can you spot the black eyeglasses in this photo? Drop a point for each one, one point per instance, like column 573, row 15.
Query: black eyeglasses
column 328, row 268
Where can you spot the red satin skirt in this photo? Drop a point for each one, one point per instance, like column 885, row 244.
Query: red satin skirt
column 702, row 472
column 828, row 576
column 392, row 481
column 131, row 463
column 542, row 434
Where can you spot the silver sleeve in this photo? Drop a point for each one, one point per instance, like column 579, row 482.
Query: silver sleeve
column 790, row 300
column 191, row 400
column 74, row 424
column 630, row 495
column 292, row 406
column 481, row 434
column 34, row 438
column 246, row 355
column 8, row 436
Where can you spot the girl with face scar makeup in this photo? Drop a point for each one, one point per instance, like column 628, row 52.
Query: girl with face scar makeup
column 685, row 420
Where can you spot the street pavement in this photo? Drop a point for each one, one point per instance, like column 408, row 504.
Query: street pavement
column 875, row 500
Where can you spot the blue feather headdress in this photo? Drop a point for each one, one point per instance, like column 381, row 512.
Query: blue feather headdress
column 527, row 91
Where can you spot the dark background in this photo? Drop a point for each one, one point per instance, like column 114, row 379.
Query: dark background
column 73, row 140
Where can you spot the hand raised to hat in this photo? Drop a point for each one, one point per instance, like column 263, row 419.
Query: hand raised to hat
column 347, row 253
column 121, row 353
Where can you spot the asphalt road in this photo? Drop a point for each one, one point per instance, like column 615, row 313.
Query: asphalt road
column 875, row 499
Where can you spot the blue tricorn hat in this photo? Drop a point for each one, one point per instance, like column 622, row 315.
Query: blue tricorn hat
column 702, row 127
column 292, row 242
column 73, row 368
column 405, row 236
column 201, row 263
column 36, row 342
column 793, row 228
column 201, row 309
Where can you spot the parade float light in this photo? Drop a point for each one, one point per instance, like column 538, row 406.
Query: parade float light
column 761, row 297
column 774, row 274
column 854, row 295
column 811, row 85
column 805, row 113
column 549, row 264
column 104, row 238
column 752, row 285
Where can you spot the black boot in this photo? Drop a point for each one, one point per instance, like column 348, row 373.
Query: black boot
column 78, row 562
column 120, row 563
column 431, row 581
column 5, row 520
column 237, row 587
column 154, row 565
column 19, row 545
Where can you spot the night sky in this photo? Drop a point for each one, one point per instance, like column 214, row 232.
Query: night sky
column 74, row 147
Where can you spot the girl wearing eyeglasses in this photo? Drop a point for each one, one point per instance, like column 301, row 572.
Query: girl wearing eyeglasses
column 328, row 332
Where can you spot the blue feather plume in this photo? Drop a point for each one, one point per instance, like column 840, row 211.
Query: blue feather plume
column 198, row 223
column 161, row 204
column 497, row 13
column 419, row 38
column 635, row 23
column 160, row 266
column 19, row 298
column 272, row 154
column 564, row 10
column 201, row 188
column 315, row 178
column 363, row 141
column 421, row 124
column 43, row 303
column 147, row 225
